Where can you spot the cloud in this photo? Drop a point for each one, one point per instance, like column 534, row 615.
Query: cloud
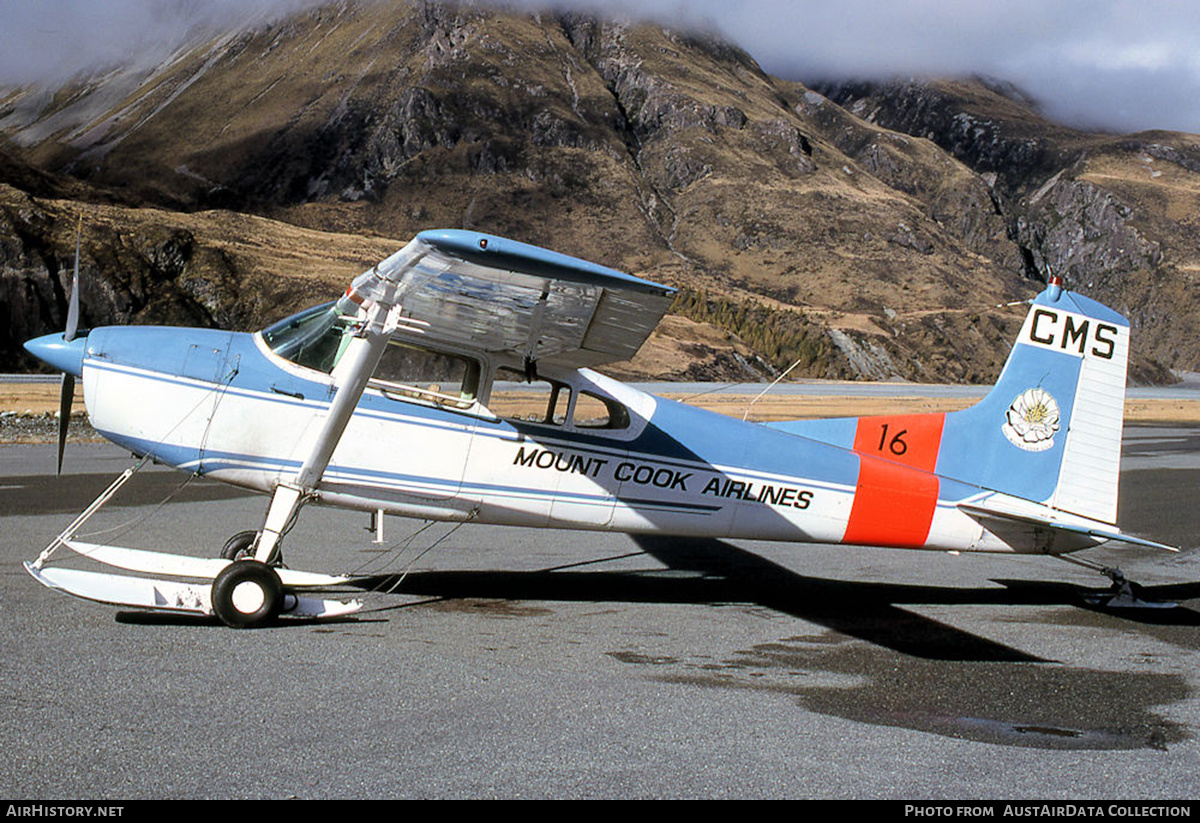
column 54, row 41
column 1115, row 64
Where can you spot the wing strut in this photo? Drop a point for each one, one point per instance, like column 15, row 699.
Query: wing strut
column 350, row 378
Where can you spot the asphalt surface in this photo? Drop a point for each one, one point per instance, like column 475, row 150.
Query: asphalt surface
column 522, row 663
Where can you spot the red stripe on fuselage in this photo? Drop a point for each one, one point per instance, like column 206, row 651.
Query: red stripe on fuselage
column 893, row 505
column 897, row 491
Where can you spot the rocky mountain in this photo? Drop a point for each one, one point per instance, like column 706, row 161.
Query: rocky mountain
column 1117, row 215
column 869, row 231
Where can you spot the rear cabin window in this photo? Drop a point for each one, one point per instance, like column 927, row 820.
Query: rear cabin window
column 530, row 401
column 549, row 402
column 595, row 412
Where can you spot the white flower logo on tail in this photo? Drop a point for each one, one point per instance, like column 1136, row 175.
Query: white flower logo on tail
column 1032, row 420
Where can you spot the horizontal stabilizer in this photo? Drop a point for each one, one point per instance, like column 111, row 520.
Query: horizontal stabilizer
column 176, row 565
column 167, row 595
column 1026, row 519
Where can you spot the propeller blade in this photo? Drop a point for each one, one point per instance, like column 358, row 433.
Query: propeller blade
column 73, row 302
column 66, row 394
column 66, row 397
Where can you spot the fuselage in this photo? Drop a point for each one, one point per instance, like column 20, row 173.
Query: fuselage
column 452, row 381
column 227, row 406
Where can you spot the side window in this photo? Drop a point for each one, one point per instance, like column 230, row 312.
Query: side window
column 595, row 412
column 406, row 371
column 537, row 401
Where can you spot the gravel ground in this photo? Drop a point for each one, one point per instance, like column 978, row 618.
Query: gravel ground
column 43, row 428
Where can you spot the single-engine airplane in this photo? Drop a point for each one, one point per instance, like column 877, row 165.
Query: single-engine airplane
column 385, row 400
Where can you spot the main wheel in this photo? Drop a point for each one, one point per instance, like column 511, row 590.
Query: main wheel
column 247, row 594
column 241, row 547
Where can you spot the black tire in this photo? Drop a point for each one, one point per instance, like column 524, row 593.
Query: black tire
column 247, row 594
column 241, row 547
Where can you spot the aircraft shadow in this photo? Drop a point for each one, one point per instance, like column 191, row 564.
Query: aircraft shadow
column 48, row 494
column 713, row 572
column 723, row 573
column 1068, row 594
column 176, row 619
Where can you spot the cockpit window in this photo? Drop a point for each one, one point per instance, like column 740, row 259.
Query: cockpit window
column 316, row 338
column 407, row 371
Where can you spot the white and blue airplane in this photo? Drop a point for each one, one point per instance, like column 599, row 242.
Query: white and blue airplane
column 385, row 401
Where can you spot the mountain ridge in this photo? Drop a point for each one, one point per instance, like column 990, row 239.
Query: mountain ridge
column 855, row 233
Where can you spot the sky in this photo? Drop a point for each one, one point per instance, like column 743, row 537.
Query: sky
column 1111, row 64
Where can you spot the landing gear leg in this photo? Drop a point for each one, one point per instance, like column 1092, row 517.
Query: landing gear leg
column 248, row 592
column 285, row 505
column 1120, row 594
column 1123, row 594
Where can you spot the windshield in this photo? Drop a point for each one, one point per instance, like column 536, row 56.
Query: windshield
column 315, row 337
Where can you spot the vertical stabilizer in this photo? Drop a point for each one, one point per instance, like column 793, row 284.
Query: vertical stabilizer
column 1050, row 429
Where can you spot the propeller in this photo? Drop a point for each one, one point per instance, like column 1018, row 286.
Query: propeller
column 66, row 394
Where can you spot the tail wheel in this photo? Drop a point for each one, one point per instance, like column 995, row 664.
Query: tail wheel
column 241, row 547
column 247, row 594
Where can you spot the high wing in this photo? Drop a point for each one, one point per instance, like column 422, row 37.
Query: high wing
column 498, row 295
